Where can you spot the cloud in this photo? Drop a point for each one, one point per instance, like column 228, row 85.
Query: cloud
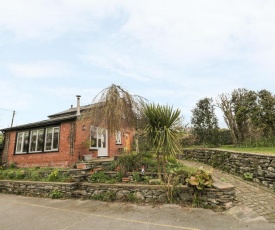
column 36, row 70
column 46, row 20
column 178, row 33
column 172, row 52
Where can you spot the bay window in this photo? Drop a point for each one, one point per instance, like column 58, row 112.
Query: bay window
column 37, row 140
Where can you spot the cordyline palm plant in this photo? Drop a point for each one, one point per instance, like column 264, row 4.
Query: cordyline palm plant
column 115, row 108
column 163, row 132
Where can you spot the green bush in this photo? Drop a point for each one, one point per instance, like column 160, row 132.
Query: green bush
column 248, row 176
column 54, row 176
column 99, row 177
column 137, row 177
column 259, row 142
column 56, row 194
column 200, row 180
column 104, row 196
column 129, row 162
column 225, row 137
column 35, row 176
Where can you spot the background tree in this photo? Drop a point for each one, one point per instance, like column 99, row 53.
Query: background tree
column 250, row 116
column 238, row 108
column 244, row 108
column 205, row 122
column 264, row 117
column 163, row 132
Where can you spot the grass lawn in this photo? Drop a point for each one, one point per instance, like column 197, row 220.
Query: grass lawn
column 264, row 150
column 268, row 150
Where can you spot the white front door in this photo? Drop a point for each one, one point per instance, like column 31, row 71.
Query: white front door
column 99, row 141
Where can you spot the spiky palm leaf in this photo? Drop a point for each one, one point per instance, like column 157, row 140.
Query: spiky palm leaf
column 163, row 131
column 163, row 128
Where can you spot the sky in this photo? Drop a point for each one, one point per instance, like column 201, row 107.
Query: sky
column 171, row 52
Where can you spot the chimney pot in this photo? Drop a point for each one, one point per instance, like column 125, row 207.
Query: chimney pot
column 78, row 105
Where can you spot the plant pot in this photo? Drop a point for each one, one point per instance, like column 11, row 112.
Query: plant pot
column 126, row 179
column 87, row 157
column 82, row 166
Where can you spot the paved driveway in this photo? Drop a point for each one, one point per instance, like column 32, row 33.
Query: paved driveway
column 18, row 212
column 249, row 195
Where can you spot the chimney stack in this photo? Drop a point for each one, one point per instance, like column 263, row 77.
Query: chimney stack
column 78, row 105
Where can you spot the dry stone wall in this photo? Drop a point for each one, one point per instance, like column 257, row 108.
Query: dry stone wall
column 257, row 167
column 219, row 198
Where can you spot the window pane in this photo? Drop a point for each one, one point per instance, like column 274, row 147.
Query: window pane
column 26, row 142
column 19, row 142
column 40, row 140
column 49, row 133
column 118, row 137
column 103, row 138
column 93, row 136
column 55, row 138
column 100, row 133
column 33, row 140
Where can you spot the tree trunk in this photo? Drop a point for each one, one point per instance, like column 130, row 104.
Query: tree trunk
column 159, row 168
column 164, row 167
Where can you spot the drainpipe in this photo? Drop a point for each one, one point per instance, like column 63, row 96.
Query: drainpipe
column 78, row 105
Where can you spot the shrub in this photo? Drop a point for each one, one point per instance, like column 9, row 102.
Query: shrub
column 56, row 194
column 99, row 177
column 35, row 176
column 104, row 196
column 137, row 177
column 248, row 176
column 129, row 162
column 201, row 180
column 54, row 176
column 12, row 165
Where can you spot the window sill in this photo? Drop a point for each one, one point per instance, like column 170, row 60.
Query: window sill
column 45, row 152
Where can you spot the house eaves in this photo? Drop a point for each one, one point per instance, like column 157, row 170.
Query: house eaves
column 39, row 124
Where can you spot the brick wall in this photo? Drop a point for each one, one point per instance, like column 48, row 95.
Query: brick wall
column 62, row 158
column 72, row 147
column 83, row 137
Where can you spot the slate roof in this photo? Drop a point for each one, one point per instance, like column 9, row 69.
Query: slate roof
column 52, row 121
column 57, row 118
column 70, row 111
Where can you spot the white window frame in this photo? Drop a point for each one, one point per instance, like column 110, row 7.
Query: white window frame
column 118, row 138
column 52, row 139
column 22, row 142
column 36, row 141
column 97, row 129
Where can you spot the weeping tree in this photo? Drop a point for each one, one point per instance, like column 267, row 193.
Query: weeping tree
column 163, row 132
column 114, row 108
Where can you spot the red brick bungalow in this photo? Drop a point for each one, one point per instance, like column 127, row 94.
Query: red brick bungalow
column 61, row 141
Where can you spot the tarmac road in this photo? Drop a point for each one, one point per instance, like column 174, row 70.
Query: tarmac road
column 25, row 213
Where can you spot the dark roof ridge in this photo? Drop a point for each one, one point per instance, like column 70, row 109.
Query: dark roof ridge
column 42, row 123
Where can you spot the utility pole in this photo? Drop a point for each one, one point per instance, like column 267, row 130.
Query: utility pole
column 13, row 114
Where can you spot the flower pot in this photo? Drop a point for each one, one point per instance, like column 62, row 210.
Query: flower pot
column 126, row 179
column 82, row 166
column 87, row 157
